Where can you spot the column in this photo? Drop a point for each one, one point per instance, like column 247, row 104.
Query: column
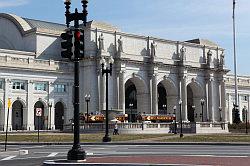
column 30, row 107
column 211, row 99
column 7, row 94
column 121, row 91
column 184, row 98
column 154, row 95
column 51, row 114
column 102, row 90
column 223, row 101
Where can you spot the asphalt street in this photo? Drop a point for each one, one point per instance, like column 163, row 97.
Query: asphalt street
column 38, row 153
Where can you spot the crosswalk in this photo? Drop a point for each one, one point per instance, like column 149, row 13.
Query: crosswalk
column 36, row 155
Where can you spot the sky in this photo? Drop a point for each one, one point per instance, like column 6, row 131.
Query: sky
column 178, row 20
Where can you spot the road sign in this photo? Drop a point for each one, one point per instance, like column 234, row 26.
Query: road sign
column 39, row 111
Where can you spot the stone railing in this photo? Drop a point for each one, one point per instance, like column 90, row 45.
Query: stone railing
column 199, row 127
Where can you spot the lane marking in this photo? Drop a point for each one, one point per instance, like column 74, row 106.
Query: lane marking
column 8, row 158
column 52, row 154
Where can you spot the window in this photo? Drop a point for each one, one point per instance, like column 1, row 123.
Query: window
column 245, row 98
column 40, row 86
column 60, row 88
column 18, row 85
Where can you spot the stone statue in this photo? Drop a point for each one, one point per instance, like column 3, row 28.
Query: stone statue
column 101, row 43
column 209, row 55
column 153, row 48
column 120, row 44
column 222, row 56
column 183, row 53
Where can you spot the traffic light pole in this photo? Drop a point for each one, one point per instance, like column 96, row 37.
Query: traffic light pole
column 76, row 153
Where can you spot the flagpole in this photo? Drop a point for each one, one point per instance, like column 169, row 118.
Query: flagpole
column 237, row 118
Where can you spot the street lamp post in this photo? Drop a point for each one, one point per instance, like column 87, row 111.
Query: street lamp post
column 246, row 118
column 180, row 102
column 87, row 99
column 193, row 109
column 164, row 108
column 202, row 106
column 220, row 109
column 50, row 105
column 107, row 71
column 76, row 153
column 131, row 107
column 175, row 125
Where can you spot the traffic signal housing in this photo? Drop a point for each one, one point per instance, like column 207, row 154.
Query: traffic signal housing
column 79, row 43
column 67, row 44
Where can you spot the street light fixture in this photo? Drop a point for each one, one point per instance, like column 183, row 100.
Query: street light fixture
column 76, row 153
column 87, row 99
column 107, row 71
column 50, row 105
column 180, row 102
column 164, row 108
column 202, row 106
column 131, row 107
column 175, row 125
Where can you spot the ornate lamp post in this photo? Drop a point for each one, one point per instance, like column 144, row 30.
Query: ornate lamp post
column 180, row 102
column 193, row 109
column 245, row 108
column 50, row 105
column 202, row 106
column 175, row 125
column 107, row 71
column 87, row 99
column 164, row 108
column 76, row 153
column 131, row 107
column 220, row 109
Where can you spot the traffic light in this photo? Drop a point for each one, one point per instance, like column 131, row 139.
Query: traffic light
column 67, row 44
column 79, row 43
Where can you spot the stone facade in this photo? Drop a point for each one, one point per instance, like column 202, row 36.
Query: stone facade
column 147, row 72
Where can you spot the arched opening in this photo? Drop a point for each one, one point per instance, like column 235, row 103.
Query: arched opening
column 39, row 120
column 17, row 115
column 59, row 115
column 162, row 99
column 131, row 101
column 194, row 95
column 190, row 104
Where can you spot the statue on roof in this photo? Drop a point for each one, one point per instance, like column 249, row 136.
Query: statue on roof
column 183, row 53
column 101, row 42
column 222, row 56
column 153, row 48
column 120, row 44
column 209, row 55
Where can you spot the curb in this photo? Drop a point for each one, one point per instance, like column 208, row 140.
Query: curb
column 133, row 143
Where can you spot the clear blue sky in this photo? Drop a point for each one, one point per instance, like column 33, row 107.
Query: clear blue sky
column 168, row 19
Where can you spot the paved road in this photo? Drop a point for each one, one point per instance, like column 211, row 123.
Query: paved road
column 175, row 154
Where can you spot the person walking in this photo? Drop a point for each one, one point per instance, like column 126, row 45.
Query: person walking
column 116, row 129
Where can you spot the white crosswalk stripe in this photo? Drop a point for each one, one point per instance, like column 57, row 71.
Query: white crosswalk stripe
column 52, row 154
column 8, row 158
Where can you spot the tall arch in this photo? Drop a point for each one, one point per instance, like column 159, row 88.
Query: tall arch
column 194, row 94
column 39, row 120
column 135, row 94
column 59, row 115
column 17, row 115
column 167, row 96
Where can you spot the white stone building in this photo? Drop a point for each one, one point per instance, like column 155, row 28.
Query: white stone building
column 148, row 72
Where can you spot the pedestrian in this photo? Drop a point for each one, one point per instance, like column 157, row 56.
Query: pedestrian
column 116, row 129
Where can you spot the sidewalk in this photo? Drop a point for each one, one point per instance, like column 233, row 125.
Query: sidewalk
column 162, row 160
